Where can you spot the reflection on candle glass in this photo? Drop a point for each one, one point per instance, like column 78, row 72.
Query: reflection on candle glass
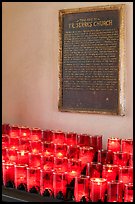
column 8, row 174
column 127, row 145
column 20, row 176
column 114, row 144
column 110, row 172
column 105, row 156
column 98, row 188
column 126, row 174
column 60, row 150
column 128, row 192
column 23, row 157
column 81, row 190
column 120, row 158
column 114, row 191
column 94, row 169
column 33, row 179
column 60, row 184
column 46, row 182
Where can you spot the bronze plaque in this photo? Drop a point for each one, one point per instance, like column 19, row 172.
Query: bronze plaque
column 91, row 74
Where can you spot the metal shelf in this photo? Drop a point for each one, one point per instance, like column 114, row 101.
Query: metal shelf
column 14, row 195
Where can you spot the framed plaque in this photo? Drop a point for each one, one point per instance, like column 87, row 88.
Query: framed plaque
column 91, row 60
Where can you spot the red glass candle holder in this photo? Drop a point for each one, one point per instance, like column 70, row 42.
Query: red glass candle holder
column 81, row 190
column 5, row 140
column 71, row 138
column 73, row 151
column 14, row 142
column 59, row 137
column 24, row 132
column 36, row 134
column 114, row 144
column 20, row 178
column 128, row 192
column 3, row 161
column 48, row 135
column 12, row 154
column 60, row 184
column 47, row 162
column 74, row 169
column 86, row 155
column 36, row 146
column 83, row 140
column 98, row 188
column 130, row 159
column 4, row 153
column 114, row 191
column 48, row 148
column 22, row 157
column 127, row 145
column 34, row 159
column 14, row 131
column 8, row 174
column 60, row 150
column 5, row 128
column 24, row 144
column 60, row 164
column 33, row 179
column 110, row 172
column 126, row 174
column 94, row 169
column 96, row 142
column 120, row 158
column 46, row 182
column 105, row 156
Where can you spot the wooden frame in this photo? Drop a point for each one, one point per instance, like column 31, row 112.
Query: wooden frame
column 64, row 105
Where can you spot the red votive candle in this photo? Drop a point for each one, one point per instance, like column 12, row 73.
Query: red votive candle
column 35, row 146
column 59, row 137
column 24, row 132
column 14, row 131
column 33, row 179
column 20, row 179
column 105, row 156
column 98, row 188
column 71, row 138
column 60, row 150
column 74, row 169
column 114, row 144
column 120, row 158
column 60, row 184
column 47, row 162
column 48, row 135
column 110, row 172
column 4, row 153
column 60, row 164
column 36, row 134
column 83, row 140
column 81, row 190
column 3, row 161
column 23, row 157
column 8, row 174
column 126, row 174
column 12, row 154
column 96, row 142
column 130, row 159
column 86, row 155
column 34, row 159
column 48, row 148
column 127, row 145
column 46, row 182
column 73, row 151
column 14, row 142
column 5, row 128
column 94, row 169
column 114, row 191
column 128, row 192
column 5, row 140
column 24, row 144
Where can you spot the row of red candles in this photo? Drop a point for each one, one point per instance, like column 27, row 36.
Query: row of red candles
column 86, row 155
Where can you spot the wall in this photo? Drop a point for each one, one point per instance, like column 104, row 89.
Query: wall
column 30, row 71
